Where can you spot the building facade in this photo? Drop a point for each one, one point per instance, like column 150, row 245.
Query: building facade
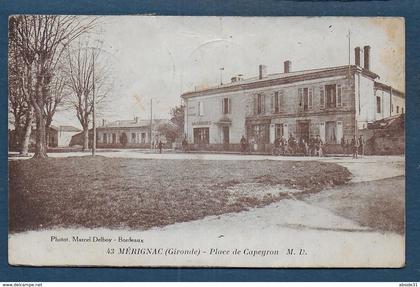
column 332, row 102
column 61, row 136
column 134, row 133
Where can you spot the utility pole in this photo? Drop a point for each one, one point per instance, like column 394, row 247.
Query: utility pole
column 151, row 121
column 93, row 104
column 349, row 36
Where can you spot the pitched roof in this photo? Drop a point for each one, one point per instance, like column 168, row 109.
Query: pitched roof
column 278, row 79
column 65, row 128
column 133, row 123
column 384, row 87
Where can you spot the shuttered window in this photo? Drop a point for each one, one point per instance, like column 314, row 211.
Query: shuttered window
column 260, row 104
column 226, row 106
column 300, row 95
column 200, row 109
column 277, row 102
column 305, row 99
column 310, row 98
column 339, row 93
column 322, row 97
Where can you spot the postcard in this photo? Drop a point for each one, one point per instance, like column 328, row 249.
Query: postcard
column 175, row 141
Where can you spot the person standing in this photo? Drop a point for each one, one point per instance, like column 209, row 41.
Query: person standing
column 343, row 145
column 243, row 144
column 354, row 146
column 320, row 146
column 184, row 144
column 160, row 146
column 305, row 147
column 311, row 146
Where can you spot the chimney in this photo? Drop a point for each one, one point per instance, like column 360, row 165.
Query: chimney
column 263, row 71
column 136, row 119
column 287, row 66
column 357, row 56
column 366, row 52
column 236, row 78
column 103, row 122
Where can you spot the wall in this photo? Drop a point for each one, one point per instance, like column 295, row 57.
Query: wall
column 366, row 108
column 292, row 111
column 385, row 97
column 383, row 141
column 119, row 132
column 64, row 138
column 213, row 114
column 398, row 101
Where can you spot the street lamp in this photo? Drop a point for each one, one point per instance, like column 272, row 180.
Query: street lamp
column 151, row 121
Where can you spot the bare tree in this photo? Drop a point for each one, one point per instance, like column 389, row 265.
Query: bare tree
column 55, row 100
column 40, row 41
column 19, row 106
column 85, row 73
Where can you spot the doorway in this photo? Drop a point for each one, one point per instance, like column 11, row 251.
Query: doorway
column 303, row 130
column 225, row 135
column 225, row 131
column 330, row 133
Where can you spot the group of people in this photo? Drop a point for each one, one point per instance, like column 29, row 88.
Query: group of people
column 356, row 146
column 307, row 147
column 314, row 146
column 158, row 145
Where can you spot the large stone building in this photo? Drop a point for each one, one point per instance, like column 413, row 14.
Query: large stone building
column 330, row 102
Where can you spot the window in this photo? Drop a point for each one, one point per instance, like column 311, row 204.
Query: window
column 226, row 106
column 278, row 102
column 305, row 98
column 143, row 137
column 104, row 138
column 133, row 137
column 260, row 103
column 321, row 97
column 201, row 135
column 398, row 109
column 114, row 138
column 331, row 93
column 331, row 133
column 200, row 109
column 378, row 105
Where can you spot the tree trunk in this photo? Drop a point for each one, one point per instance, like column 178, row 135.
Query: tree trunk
column 47, row 134
column 15, row 142
column 85, row 139
column 24, row 148
column 41, row 148
column 47, row 137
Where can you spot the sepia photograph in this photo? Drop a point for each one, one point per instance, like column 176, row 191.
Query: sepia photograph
column 198, row 141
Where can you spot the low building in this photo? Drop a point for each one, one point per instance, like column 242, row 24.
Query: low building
column 332, row 103
column 61, row 136
column 125, row 134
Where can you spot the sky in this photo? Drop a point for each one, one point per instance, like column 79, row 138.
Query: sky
column 159, row 57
